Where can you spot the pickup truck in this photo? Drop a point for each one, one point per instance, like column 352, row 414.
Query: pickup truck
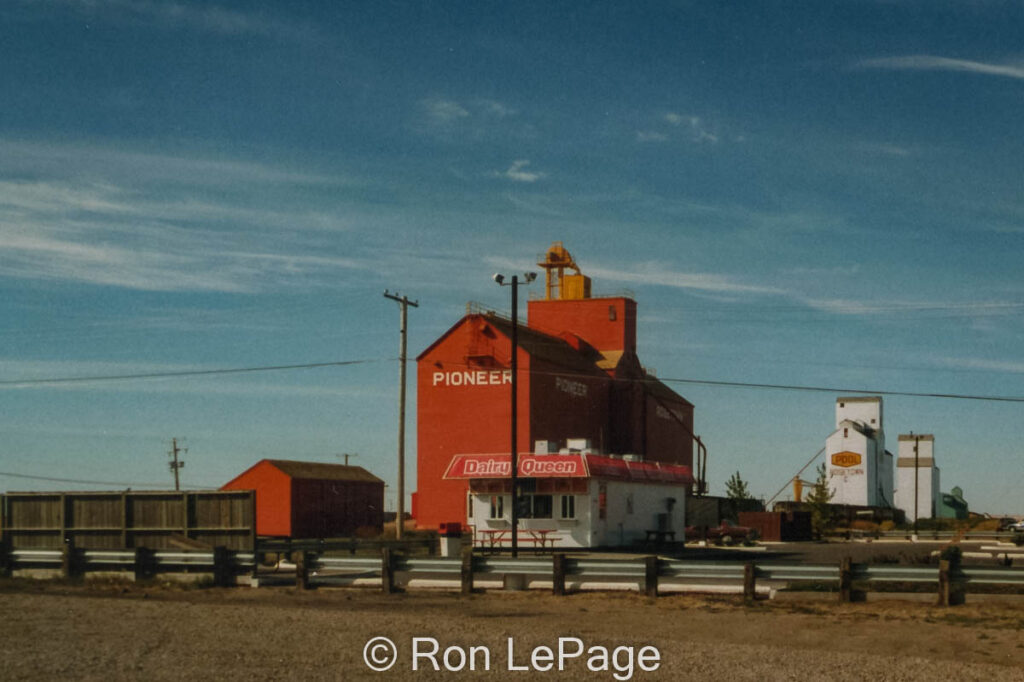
column 725, row 533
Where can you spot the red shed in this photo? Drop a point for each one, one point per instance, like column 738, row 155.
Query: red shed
column 312, row 499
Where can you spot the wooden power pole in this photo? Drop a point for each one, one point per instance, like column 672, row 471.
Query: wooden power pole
column 176, row 464
column 403, row 305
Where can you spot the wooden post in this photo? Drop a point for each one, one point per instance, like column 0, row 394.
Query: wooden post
column 253, row 537
column 302, row 561
column 950, row 592
column 145, row 563
column 749, row 582
column 944, row 583
column 387, row 572
column 845, row 580
column 651, row 576
column 70, row 565
column 254, row 575
column 558, row 574
column 6, row 559
column 466, row 572
column 223, row 566
column 124, row 519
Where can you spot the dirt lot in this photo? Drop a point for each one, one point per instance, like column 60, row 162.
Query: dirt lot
column 55, row 631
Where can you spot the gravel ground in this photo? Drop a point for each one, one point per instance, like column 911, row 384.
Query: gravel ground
column 55, row 631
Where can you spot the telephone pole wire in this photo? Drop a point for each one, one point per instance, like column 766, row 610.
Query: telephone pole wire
column 403, row 304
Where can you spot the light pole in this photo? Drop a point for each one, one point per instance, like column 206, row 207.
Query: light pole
column 514, row 460
column 917, row 443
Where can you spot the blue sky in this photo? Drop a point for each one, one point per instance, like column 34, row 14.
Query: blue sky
column 817, row 194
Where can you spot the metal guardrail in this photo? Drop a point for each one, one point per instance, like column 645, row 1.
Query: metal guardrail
column 350, row 545
column 824, row 573
column 993, row 576
column 937, row 534
column 647, row 573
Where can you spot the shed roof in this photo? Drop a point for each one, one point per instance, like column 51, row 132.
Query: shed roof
column 323, row 471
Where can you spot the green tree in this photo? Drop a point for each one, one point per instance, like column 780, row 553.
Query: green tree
column 819, row 501
column 736, row 488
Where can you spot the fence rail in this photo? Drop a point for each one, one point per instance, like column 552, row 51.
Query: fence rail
column 935, row 534
column 561, row 572
column 651, row 574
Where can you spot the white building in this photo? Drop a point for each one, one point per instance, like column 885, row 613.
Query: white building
column 574, row 500
column 860, row 470
column 917, row 455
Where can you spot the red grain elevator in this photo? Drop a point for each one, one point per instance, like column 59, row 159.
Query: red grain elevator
column 312, row 499
column 580, row 380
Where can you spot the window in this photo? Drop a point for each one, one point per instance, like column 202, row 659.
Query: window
column 611, row 313
column 541, row 506
column 629, row 503
column 568, row 506
column 497, row 506
column 469, row 505
column 532, row 506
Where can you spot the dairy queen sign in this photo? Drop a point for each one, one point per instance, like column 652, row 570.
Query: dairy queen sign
column 530, row 466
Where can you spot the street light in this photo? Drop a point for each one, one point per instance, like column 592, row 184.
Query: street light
column 514, row 284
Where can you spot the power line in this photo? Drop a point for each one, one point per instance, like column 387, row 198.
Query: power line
column 828, row 389
column 9, row 474
column 569, row 372
column 345, row 363
column 185, row 373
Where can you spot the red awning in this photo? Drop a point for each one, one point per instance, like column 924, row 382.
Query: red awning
column 567, row 466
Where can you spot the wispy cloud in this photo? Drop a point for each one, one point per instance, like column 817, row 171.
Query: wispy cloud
column 926, row 62
column 884, row 149
column 985, row 364
column 650, row 136
column 446, row 112
column 828, row 271
column 236, row 386
column 495, row 108
column 842, row 306
column 659, row 274
column 517, row 173
column 443, row 110
column 698, row 130
column 133, row 222
column 27, row 158
column 206, row 17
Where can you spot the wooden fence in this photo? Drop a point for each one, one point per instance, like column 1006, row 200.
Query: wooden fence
column 129, row 519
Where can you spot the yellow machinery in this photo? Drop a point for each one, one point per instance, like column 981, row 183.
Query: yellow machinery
column 798, row 488
column 570, row 287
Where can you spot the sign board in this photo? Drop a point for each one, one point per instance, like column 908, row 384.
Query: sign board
column 846, row 459
column 530, row 466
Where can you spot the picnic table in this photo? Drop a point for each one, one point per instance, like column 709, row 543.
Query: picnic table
column 493, row 539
